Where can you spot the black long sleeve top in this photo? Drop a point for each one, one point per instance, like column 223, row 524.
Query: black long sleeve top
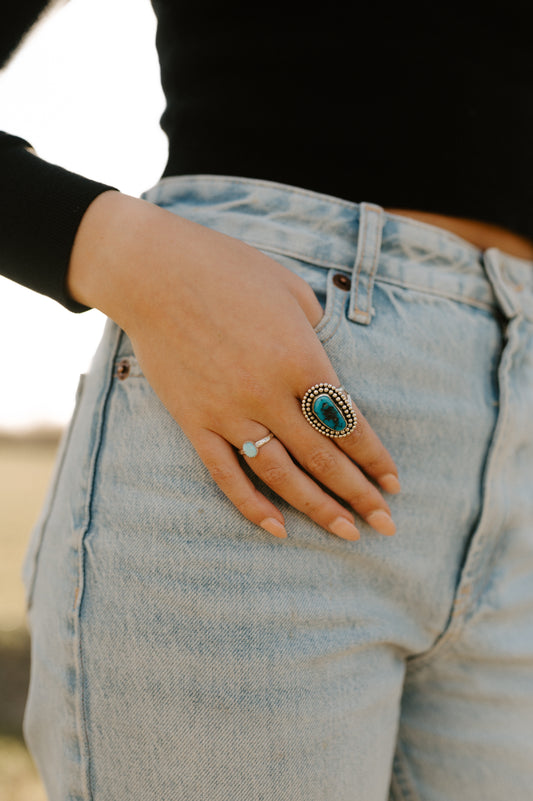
column 430, row 111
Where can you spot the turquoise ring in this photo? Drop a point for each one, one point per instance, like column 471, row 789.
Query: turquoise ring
column 329, row 409
column 251, row 449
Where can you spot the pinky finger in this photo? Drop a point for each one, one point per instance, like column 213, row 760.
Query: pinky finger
column 221, row 460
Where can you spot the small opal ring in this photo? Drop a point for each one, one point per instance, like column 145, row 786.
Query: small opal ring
column 329, row 409
column 251, row 449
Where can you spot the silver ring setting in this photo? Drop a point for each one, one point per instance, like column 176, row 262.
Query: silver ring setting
column 329, row 409
column 251, row 449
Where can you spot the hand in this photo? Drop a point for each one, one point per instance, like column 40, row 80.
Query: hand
column 225, row 337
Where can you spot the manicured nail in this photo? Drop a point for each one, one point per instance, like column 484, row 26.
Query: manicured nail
column 274, row 527
column 390, row 483
column 382, row 522
column 343, row 528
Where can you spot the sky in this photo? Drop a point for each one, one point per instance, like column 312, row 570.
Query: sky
column 84, row 90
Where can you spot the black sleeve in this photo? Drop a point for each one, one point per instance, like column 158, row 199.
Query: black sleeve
column 41, row 204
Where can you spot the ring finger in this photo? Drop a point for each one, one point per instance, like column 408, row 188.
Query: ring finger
column 274, row 466
column 321, row 458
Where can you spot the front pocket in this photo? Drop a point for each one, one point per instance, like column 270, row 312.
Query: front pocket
column 337, row 296
column 330, row 293
column 31, row 558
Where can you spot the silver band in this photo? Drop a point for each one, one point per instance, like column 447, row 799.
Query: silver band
column 251, row 449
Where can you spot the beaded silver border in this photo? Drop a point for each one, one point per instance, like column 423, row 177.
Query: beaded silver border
column 340, row 398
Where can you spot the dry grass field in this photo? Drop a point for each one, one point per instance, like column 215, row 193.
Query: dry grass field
column 25, row 468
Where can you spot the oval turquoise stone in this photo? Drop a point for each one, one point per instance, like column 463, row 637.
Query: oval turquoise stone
column 329, row 413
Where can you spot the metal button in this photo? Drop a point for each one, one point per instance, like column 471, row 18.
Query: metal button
column 123, row 369
column 342, row 281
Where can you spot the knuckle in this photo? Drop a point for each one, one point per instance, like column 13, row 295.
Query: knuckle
column 251, row 386
column 275, row 475
column 358, row 432
column 322, row 462
column 377, row 466
column 361, row 498
column 220, row 473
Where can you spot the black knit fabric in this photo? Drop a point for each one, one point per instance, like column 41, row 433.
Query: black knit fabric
column 430, row 111
column 41, row 206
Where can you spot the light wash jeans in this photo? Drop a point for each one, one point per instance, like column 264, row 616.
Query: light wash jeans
column 179, row 653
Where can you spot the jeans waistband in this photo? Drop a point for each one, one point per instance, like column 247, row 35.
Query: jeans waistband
column 360, row 238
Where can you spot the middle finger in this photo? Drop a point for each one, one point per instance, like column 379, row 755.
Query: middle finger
column 322, row 459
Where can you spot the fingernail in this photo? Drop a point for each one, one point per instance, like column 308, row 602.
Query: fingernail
column 343, row 528
column 274, row 527
column 390, row 483
column 382, row 522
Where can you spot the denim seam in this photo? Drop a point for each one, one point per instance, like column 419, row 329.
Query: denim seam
column 358, row 273
column 495, row 270
column 334, row 313
column 331, row 334
column 439, row 293
column 261, row 182
column 478, row 550
column 401, row 784
column 349, row 204
column 296, row 255
column 83, row 733
column 53, row 494
column 377, row 246
column 476, row 607
column 464, row 599
column 380, row 278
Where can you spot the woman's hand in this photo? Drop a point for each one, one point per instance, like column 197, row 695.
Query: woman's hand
column 225, row 337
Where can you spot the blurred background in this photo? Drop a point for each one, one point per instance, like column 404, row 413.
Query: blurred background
column 84, row 90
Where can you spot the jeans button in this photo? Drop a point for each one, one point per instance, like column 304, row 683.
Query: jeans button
column 342, row 281
column 123, row 369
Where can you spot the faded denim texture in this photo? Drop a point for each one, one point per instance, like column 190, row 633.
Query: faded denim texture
column 182, row 654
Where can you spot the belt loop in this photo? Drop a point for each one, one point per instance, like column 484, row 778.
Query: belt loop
column 371, row 220
column 494, row 268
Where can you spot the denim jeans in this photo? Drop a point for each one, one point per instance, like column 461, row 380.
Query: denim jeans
column 181, row 653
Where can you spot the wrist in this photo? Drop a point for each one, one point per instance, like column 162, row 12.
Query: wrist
column 110, row 253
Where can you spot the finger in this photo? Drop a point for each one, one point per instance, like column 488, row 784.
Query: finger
column 365, row 448
column 222, row 462
column 322, row 459
column 276, row 469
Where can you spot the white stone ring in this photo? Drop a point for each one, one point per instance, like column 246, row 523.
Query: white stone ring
column 329, row 409
column 251, row 449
